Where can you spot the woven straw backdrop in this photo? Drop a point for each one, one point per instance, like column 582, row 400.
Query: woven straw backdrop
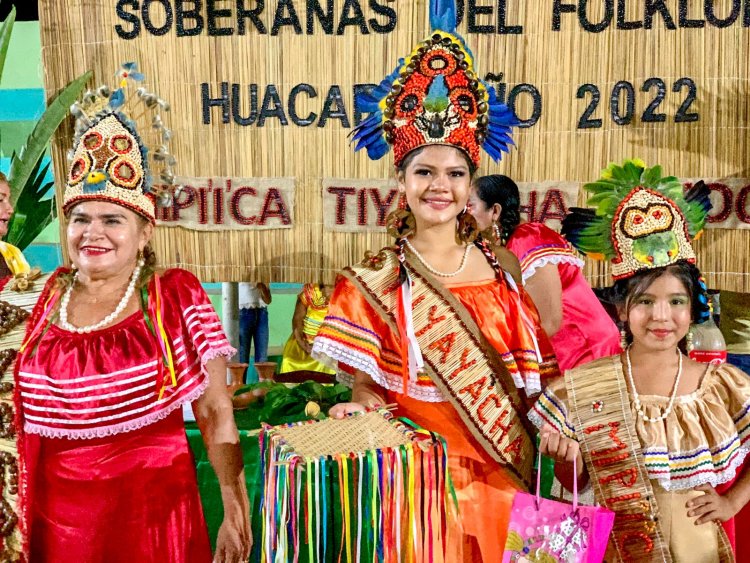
column 78, row 35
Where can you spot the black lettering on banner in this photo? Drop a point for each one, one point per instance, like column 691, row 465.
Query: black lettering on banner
column 585, row 121
column 711, row 18
column 653, row 6
column 624, row 116
column 148, row 22
column 360, row 89
column 252, row 15
column 684, row 20
column 502, row 23
column 649, row 114
column 595, row 27
column 615, row 106
column 192, row 14
column 356, row 18
column 207, row 102
column 279, row 20
column 559, row 8
column 536, row 97
column 475, row 11
column 622, row 23
column 325, row 18
column 383, row 10
column 334, row 108
column 292, row 105
column 460, row 7
column 272, row 107
column 128, row 17
column 682, row 115
column 214, row 14
column 237, row 104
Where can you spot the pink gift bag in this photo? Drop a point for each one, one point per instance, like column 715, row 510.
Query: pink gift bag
column 549, row 531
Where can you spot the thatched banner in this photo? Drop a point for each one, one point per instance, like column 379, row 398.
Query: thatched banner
column 264, row 89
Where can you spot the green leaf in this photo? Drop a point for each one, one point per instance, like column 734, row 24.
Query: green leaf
column 651, row 176
column 632, row 172
column 23, row 163
column 32, row 213
column 5, row 31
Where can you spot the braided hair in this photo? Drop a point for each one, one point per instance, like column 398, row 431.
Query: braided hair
column 500, row 189
column 483, row 244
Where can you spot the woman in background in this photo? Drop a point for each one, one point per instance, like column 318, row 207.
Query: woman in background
column 309, row 312
column 572, row 316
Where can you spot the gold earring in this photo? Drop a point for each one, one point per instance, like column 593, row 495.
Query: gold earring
column 689, row 341
column 623, row 337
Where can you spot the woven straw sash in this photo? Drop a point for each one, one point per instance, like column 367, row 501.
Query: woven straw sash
column 600, row 411
column 460, row 362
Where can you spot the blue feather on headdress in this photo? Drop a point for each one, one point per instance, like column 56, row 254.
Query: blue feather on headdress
column 443, row 15
column 501, row 122
column 368, row 134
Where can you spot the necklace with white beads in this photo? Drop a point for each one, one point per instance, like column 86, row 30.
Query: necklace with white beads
column 106, row 320
column 636, row 397
column 461, row 267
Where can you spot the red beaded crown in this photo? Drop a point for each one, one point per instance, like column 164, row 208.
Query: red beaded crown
column 435, row 97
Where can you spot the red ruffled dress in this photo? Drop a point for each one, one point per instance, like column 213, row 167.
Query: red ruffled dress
column 586, row 332
column 355, row 337
column 106, row 471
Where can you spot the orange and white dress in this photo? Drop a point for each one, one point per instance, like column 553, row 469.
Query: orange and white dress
column 355, row 337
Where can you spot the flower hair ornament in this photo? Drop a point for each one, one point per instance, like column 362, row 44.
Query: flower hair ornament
column 639, row 219
column 109, row 160
column 434, row 96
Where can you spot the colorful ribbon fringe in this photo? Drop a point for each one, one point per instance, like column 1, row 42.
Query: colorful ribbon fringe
column 386, row 505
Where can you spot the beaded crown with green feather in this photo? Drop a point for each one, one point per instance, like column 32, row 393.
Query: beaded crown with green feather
column 639, row 219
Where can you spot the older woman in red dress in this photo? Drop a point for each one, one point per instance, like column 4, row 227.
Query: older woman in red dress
column 112, row 352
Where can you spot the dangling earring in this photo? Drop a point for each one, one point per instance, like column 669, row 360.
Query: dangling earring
column 141, row 260
column 498, row 234
column 689, row 341
column 467, row 229
column 400, row 222
column 623, row 337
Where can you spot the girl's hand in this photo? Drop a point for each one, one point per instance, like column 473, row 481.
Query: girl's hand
column 710, row 506
column 560, row 448
column 343, row 409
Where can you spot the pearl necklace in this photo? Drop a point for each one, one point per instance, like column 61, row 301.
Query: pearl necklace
column 106, row 320
column 461, row 267
column 636, row 397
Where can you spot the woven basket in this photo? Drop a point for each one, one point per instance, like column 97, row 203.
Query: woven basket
column 351, row 489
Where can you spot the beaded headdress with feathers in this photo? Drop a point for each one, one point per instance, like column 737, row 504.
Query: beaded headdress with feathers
column 639, row 219
column 109, row 160
column 435, row 97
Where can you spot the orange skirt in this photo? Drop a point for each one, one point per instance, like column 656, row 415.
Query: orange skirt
column 483, row 488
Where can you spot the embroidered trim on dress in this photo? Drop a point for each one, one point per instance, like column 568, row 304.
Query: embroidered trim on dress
column 329, row 353
column 544, row 260
column 128, row 426
column 547, row 411
column 227, row 351
column 707, row 476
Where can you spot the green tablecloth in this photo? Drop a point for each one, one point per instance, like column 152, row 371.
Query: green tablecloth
column 209, row 484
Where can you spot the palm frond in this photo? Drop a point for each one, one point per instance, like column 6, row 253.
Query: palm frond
column 32, row 212
column 5, row 30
